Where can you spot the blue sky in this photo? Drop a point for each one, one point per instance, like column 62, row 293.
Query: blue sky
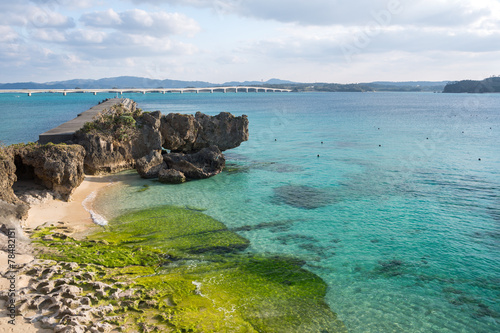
column 224, row 40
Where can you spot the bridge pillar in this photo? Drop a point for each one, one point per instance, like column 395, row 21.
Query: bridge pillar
column 163, row 92
column 95, row 93
column 211, row 91
column 144, row 92
column 224, row 90
column 197, row 91
column 246, row 89
column 181, row 91
column 29, row 94
column 64, row 93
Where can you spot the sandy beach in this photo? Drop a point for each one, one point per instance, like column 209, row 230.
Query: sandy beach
column 72, row 215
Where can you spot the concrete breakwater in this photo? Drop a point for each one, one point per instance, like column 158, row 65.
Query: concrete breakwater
column 66, row 131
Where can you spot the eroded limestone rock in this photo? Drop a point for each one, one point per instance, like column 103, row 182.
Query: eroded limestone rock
column 187, row 133
column 206, row 163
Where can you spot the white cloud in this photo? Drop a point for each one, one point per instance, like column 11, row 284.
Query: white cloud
column 7, row 34
column 104, row 19
column 359, row 12
column 139, row 21
column 26, row 14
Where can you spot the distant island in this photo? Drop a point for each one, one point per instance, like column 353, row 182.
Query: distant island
column 489, row 85
column 127, row 82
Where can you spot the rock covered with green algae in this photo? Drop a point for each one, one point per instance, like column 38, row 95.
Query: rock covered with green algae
column 170, row 269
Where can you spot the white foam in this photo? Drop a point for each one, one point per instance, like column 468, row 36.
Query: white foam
column 198, row 288
column 87, row 204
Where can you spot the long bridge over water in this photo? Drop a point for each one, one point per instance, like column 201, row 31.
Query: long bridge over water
column 121, row 91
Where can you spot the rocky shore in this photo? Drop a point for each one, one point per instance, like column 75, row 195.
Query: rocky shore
column 164, row 269
column 173, row 148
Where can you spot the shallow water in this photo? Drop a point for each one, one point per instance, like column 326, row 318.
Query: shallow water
column 397, row 214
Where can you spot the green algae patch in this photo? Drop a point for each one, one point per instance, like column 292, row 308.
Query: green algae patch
column 177, row 231
column 171, row 269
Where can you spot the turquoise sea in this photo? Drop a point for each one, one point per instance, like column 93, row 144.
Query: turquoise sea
column 392, row 198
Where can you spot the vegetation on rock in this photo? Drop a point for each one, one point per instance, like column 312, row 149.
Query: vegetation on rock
column 489, row 85
column 117, row 122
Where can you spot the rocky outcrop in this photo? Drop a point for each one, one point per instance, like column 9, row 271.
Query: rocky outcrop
column 206, row 163
column 57, row 167
column 7, row 177
column 188, row 133
column 118, row 137
column 105, row 155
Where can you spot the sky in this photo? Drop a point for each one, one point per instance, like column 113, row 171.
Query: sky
column 341, row 41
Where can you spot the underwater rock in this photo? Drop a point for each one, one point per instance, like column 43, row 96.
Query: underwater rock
column 392, row 267
column 171, row 176
column 206, row 163
column 301, row 196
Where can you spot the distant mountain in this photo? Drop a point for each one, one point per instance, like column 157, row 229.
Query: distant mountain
column 489, row 85
column 258, row 83
column 125, row 82
column 411, row 83
column 129, row 82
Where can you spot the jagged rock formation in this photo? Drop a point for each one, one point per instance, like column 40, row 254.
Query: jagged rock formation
column 7, row 177
column 58, row 168
column 150, row 165
column 203, row 164
column 188, row 133
column 124, row 138
column 10, row 205
column 113, row 141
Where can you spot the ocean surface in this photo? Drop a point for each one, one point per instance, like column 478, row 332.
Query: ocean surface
column 392, row 198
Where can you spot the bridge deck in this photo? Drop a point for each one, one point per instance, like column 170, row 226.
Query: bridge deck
column 65, row 132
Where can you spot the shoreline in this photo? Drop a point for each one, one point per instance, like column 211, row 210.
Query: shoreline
column 74, row 216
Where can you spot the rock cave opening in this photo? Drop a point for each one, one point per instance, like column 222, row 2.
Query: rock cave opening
column 26, row 178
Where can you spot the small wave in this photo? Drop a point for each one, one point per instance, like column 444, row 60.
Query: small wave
column 87, row 205
column 98, row 219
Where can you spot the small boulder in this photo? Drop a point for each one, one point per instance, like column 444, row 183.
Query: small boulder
column 206, row 163
column 171, row 176
column 150, row 165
